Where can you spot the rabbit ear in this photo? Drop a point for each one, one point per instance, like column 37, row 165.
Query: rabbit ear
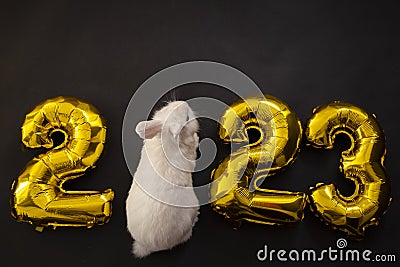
column 148, row 129
column 175, row 129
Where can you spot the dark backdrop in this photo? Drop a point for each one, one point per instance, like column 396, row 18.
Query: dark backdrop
column 305, row 53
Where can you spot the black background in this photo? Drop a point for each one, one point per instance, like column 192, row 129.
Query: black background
column 305, row 53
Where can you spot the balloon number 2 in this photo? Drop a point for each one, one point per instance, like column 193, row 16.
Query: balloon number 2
column 236, row 183
column 38, row 196
column 244, row 169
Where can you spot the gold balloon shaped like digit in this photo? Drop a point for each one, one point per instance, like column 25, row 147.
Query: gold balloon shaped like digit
column 362, row 163
column 38, row 196
column 236, row 191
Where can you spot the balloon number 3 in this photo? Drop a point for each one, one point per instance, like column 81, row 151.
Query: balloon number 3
column 362, row 163
column 245, row 168
column 38, row 196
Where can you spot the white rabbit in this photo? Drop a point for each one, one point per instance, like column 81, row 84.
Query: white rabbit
column 169, row 153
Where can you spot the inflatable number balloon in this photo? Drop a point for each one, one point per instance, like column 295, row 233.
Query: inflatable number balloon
column 235, row 190
column 38, row 196
column 362, row 163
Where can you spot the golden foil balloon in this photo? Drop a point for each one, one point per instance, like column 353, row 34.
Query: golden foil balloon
column 38, row 196
column 235, row 191
column 362, row 163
